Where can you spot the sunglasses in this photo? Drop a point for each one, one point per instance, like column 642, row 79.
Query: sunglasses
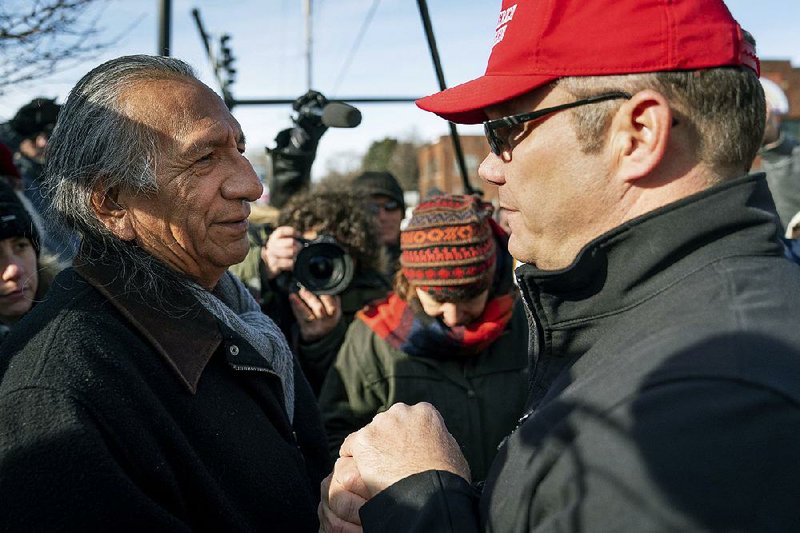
column 499, row 130
column 389, row 205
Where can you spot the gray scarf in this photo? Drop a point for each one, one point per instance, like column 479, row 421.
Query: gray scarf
column 232, row 304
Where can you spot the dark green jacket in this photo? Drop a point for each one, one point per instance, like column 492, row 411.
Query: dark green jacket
column 480, row 397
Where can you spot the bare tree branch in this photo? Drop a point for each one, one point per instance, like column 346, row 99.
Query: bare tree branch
column 40, row 37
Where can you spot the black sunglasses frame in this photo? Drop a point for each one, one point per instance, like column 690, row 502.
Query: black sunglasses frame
column 388, row 206
column 498, row 146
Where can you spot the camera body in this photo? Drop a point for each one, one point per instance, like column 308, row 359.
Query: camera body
column 322, row 266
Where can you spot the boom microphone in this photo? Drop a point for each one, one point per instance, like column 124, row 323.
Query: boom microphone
column 340, row 115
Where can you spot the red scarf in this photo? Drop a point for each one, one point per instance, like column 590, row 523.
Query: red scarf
column 415, row 333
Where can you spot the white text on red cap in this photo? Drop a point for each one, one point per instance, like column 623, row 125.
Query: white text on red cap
column 502, row 23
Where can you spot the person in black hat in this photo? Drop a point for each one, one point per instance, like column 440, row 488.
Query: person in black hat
column 389, row 207
column 21, row 284
column 27, row 135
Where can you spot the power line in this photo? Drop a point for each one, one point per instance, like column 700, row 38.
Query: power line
column 356, row 43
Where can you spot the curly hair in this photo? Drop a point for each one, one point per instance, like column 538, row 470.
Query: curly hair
column 342, row 215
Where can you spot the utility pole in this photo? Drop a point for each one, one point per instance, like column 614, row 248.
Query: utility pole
column 164, row 28
column 437, row 65
column 307, row 10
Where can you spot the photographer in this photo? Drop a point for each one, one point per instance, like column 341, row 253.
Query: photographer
column 316, row 324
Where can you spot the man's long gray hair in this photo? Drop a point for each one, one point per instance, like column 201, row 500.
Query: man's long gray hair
column 95, row 145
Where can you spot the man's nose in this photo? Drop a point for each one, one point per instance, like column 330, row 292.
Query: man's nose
column 244, row 183
column 491, row 169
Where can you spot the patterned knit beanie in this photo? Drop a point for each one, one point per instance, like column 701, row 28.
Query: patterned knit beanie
column 448, row 248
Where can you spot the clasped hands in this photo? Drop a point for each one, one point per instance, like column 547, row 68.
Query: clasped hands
column 399, row 442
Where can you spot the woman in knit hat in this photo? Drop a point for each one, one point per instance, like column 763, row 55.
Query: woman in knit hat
column 449, row 335
column 22, row 281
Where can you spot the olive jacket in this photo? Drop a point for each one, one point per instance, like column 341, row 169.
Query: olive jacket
column 480, row 397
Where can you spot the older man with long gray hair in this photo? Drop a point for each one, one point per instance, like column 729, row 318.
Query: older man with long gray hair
column 148, row 392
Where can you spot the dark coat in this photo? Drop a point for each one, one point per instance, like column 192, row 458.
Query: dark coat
column 666, row 387
column 116, row 417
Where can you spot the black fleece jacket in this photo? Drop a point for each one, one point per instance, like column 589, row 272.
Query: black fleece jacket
column 665, row 391
column 117, row 417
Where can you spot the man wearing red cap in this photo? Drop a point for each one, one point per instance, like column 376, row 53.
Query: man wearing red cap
column 665, row 350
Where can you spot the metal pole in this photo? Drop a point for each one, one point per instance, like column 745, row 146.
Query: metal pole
column 203, row 35
column 308, row 43
column 226, row 95
column 437, row 65
column 164, row 28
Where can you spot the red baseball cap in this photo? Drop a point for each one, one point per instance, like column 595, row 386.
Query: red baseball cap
column 539, row 41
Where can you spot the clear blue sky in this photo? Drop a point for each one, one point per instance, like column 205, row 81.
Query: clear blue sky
column 392, row 59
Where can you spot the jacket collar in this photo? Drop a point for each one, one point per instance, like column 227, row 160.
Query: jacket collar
column 186, row 342
column 637, row 260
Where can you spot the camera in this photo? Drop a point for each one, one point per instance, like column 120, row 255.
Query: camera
column 289, row 163
column 322, row 266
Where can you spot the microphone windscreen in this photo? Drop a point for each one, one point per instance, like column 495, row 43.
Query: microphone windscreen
column 340, row 115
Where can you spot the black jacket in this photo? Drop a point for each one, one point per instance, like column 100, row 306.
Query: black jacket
column 665, row 387
column 116, row 417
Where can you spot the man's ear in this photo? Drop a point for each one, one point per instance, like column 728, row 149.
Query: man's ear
column 113, row 216
column 641, row 131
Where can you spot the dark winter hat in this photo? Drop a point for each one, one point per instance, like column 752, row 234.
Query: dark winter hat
column 448, row 246
column 37, row 116
column 381, row 183
column 14, row 219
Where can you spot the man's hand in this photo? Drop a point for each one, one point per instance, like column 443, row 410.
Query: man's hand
column 343, row 493
column 316, row 315
column 279, row 252
column 400, row 442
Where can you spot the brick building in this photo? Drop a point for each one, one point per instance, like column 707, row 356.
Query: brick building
column 438, row 167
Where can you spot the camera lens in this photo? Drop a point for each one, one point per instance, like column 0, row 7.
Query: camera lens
column 323, row 267
column 320, row 267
